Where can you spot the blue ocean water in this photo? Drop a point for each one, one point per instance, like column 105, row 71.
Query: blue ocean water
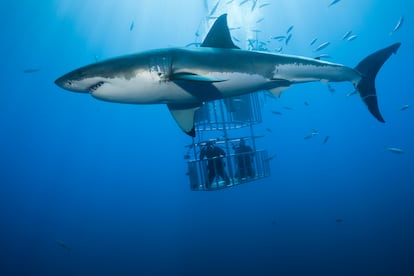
column 95, row 188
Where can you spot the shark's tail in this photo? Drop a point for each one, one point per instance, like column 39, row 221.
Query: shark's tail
column 368, row 69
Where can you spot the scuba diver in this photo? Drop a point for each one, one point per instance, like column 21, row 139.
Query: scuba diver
column 215, row 163
column 244, row 159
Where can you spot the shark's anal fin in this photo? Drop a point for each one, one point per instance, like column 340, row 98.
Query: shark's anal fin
column 184, row 115
column 219, row 35
column 195, row 78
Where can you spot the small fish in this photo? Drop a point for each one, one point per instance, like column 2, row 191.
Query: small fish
column 279, row 37
column 395, row 150
column 322, row 46
column 196, row 44
column 288, row 39
column 306, row 103
column 229, row 2
column 31, row 70
column 260, row 20
column 276, row 112
column 131, row 27
column 254, row 5
column 312, row 134
column 333, row 2
column 352, row 37
column 325, row 140
column 323, row 56
column 264, row 5
column 352, row 93
column 308, row 136
column 288, row 108
column 63, row 245
column 278, row 50
column 346, row 35
column 289, row 29
column 313, row 41
column 214, row 8
column 404, row 107
column 339, row 220
column 243, row 2
column 330, row 88
column 269, row 130
column 398, row 26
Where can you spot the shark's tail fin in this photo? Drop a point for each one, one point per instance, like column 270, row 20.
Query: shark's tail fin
column 368, row 69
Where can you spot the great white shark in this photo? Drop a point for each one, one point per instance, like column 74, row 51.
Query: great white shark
column 185, row 78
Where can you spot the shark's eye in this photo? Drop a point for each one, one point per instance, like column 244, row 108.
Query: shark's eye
column 70, row 83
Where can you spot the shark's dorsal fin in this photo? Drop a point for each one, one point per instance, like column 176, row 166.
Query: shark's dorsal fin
column 219, row 35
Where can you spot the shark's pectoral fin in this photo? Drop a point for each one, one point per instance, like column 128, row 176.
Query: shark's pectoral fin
column 278, row 87
column 195, row 78
column 184, row 116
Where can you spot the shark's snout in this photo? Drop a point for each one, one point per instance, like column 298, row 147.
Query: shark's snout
column 68, row 84
column 60, row 82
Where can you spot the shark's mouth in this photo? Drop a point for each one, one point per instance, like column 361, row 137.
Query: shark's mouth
column 95, row 87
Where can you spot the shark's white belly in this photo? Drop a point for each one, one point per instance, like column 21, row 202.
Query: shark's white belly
column 146, row 88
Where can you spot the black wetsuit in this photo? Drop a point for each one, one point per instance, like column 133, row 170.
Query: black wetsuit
column 215, row 164
column 244, row 156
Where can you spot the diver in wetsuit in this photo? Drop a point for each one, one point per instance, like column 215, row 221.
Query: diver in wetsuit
column 244, row 159
column 215, row 163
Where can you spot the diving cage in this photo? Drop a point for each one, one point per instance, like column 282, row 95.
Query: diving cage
column 225, row 151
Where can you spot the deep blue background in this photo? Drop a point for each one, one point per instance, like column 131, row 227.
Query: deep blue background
column 109, row 180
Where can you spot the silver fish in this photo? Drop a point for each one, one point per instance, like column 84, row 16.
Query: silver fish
column 404, row 107
column 323, row 56
column 322, row 46
column 260, row 20
column 346, row 35
column 290, row 29
column 288, row 39
column 264, row 5
column 243, row 2
column 254, row 5
column 31, row 70
column 398, row 26
column 395, row 150
column 278, row 50
column 279, row 37
column 313, row 41
column 352, row 37
column 333, row 2
column 214, row 8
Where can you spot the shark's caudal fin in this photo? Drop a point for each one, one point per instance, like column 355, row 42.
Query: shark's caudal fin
column 368, row 68
column 219, row 35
